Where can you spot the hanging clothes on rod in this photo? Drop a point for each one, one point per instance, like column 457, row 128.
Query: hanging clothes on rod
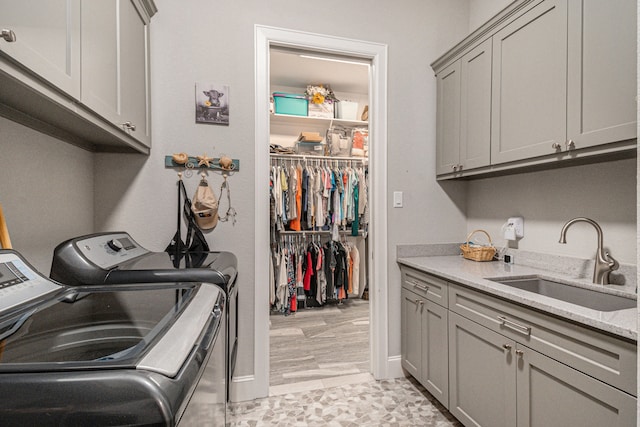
column 318, row 194
column 307, row 273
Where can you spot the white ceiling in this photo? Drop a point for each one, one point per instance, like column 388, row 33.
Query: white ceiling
column 290, row 69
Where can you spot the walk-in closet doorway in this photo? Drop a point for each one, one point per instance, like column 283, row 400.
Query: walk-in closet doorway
column 376, row 255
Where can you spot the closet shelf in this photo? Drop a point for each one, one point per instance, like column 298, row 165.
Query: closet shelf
column 305, row 157
column 290, row 119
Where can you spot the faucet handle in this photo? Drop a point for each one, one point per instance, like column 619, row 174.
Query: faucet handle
column 613, row 264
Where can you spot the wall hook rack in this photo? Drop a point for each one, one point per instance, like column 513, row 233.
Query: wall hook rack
column 193, row 163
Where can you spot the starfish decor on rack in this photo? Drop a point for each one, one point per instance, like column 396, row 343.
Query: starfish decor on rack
column 204, row 160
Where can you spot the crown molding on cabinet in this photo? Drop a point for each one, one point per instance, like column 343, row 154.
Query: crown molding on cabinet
column 483, row 32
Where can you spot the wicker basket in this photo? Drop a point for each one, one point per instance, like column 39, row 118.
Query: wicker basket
column 478, row 253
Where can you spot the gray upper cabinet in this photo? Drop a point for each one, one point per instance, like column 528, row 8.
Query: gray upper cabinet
column 448, row 119
column 475, row 108
column 561, row 85
column 78, row 70
column 464, row 112
column 530, row 84
column 114, row 65
column 47, row 39
column 602, row 72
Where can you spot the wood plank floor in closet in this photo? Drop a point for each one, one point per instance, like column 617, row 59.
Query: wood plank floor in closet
column 318, row 344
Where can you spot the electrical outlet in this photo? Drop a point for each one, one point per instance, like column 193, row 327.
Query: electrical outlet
column 518, row 225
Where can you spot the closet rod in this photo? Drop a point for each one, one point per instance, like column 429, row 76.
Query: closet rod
column 303, row 157
column 302, row 232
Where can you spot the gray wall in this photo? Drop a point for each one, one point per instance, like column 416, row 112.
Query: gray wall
column 605, row 192
column 46, row 191
column 213, row 42
column 481, row 11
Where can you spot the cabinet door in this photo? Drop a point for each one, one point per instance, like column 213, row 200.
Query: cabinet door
column 475, row 108
column 553, row 394
column 47, row 39
column 482, row 375
column 114, row 64
column 435, row 353
column 529, row 84
column 602, row 72
column 448, row 119
column 411, row 333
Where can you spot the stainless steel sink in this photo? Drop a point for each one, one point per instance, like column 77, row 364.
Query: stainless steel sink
column 575, row 295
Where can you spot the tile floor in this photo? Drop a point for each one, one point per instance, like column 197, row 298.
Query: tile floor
column 320, row 377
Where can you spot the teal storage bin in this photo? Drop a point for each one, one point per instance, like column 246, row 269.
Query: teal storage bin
column 290, row 103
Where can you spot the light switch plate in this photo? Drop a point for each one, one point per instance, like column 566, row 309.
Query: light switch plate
column 397, row 199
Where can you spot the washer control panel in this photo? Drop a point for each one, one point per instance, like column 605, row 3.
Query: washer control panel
column 19, row 283
column 109, row 249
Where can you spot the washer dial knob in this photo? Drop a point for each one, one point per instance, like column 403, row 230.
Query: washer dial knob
column 115, row 245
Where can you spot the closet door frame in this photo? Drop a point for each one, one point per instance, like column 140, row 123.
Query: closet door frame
column 382, row 365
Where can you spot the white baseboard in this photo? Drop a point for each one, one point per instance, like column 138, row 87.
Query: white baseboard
column 394, row 367
column 243, row 389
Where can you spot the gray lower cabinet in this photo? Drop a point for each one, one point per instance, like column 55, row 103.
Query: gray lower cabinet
column 482, row 375
column 495, row 363
column 553, row 394
column 411, row 333
column 496, row 382
column 424, row 336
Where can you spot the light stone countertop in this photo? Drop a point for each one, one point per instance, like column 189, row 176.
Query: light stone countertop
column 454, row 268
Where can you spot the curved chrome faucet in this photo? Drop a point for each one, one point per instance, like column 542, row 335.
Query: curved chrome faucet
column 605, row 264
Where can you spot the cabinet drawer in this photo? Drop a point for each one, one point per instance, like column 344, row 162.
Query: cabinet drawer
column 432, row 288
column 607, row 358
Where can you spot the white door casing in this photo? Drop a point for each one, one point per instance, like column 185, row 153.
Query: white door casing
column 257, row 385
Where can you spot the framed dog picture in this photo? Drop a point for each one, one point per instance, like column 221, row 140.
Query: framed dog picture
column 212, row 104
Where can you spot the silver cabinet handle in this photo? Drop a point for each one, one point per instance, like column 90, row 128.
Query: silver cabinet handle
column 423, row 288
column 526, row 330
column 506, row 346
column 520, row 353
column 418, row 285
column 128, row 126
column 570, row 144
column 454, row 167
column 8, row 35
column 556, row 146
